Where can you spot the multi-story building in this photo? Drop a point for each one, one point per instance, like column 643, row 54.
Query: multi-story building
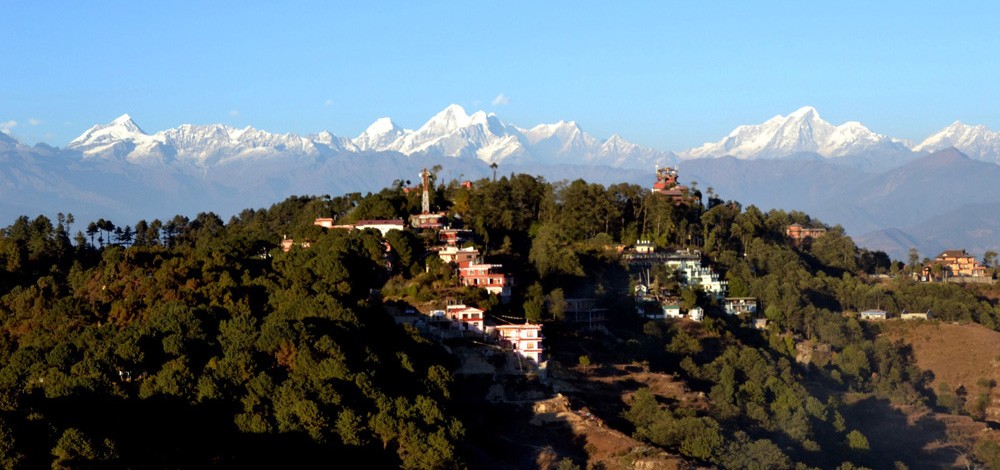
column 643, row 256
column 955, row 263
column 467, row 318
column 434, row 220
column 525, row 339
column 585, row 313
column 740, row 305
column 694, row 274
column 666, row 184
column 489, row 277
column 463, row 257
column 798, row 234
column 454, row 236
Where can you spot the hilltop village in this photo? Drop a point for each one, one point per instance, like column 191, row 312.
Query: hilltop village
column 506, row 322
column 674, row 285
column 681, row 270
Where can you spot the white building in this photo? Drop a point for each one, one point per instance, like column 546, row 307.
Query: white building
column 467, row 318
column 463, row 257
column 383, row 226
column 696, row 314
column 874, row 314
column 915, row 315
column 693, row 274
column 740, row 305
column 672, row 310
column 525, row 339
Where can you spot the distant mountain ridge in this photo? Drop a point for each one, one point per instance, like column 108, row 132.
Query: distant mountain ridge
column 454, row 133
column 887, row 210
column 883, row 191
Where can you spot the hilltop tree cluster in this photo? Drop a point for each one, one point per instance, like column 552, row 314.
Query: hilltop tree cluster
column 203, row 344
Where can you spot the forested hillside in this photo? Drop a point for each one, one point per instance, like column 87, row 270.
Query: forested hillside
column 199, row 342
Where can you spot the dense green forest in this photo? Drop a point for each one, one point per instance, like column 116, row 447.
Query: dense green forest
column 199, row 342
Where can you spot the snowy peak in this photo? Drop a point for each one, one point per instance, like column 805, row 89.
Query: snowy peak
column 977, row 142
column 452, row 132
column 805, row 112
column 954, row 135
column 378, row 135
column 801, row 131
column 217, row 143
column 125, row 122
column 381, row 126
column 560, row 130
column 123, row 128
column 616, row 141
column 450, row 119
column 122, row 138
column 561, row 138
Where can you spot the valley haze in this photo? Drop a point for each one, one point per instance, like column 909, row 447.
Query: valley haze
column 888, row 193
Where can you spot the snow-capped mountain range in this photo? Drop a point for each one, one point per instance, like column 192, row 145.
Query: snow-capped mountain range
column 977, row 142
column 804, row 131
column 450, row 133
column 800, row 131
column 844, row 174
column 201, row 145
column 483, row 136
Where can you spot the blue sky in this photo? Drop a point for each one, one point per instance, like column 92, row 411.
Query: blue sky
column 669, row 76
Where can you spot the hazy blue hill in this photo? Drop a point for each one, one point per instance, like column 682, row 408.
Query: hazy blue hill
column 973, row 227
column 798, row 183
column 932, row 185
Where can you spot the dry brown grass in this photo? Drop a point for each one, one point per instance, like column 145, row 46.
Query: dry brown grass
column 957, row 354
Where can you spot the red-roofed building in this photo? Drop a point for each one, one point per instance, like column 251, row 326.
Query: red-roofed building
column 489, row 277
column 955, row 263
column 797, row 233
column 666, row 184
column 454, row 236
column 430, row 221
column 288, row 243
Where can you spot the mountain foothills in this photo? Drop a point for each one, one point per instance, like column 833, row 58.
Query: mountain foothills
column 873, row 185
column 271, row 341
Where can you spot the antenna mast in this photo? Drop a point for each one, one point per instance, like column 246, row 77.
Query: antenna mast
column 425, row 203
